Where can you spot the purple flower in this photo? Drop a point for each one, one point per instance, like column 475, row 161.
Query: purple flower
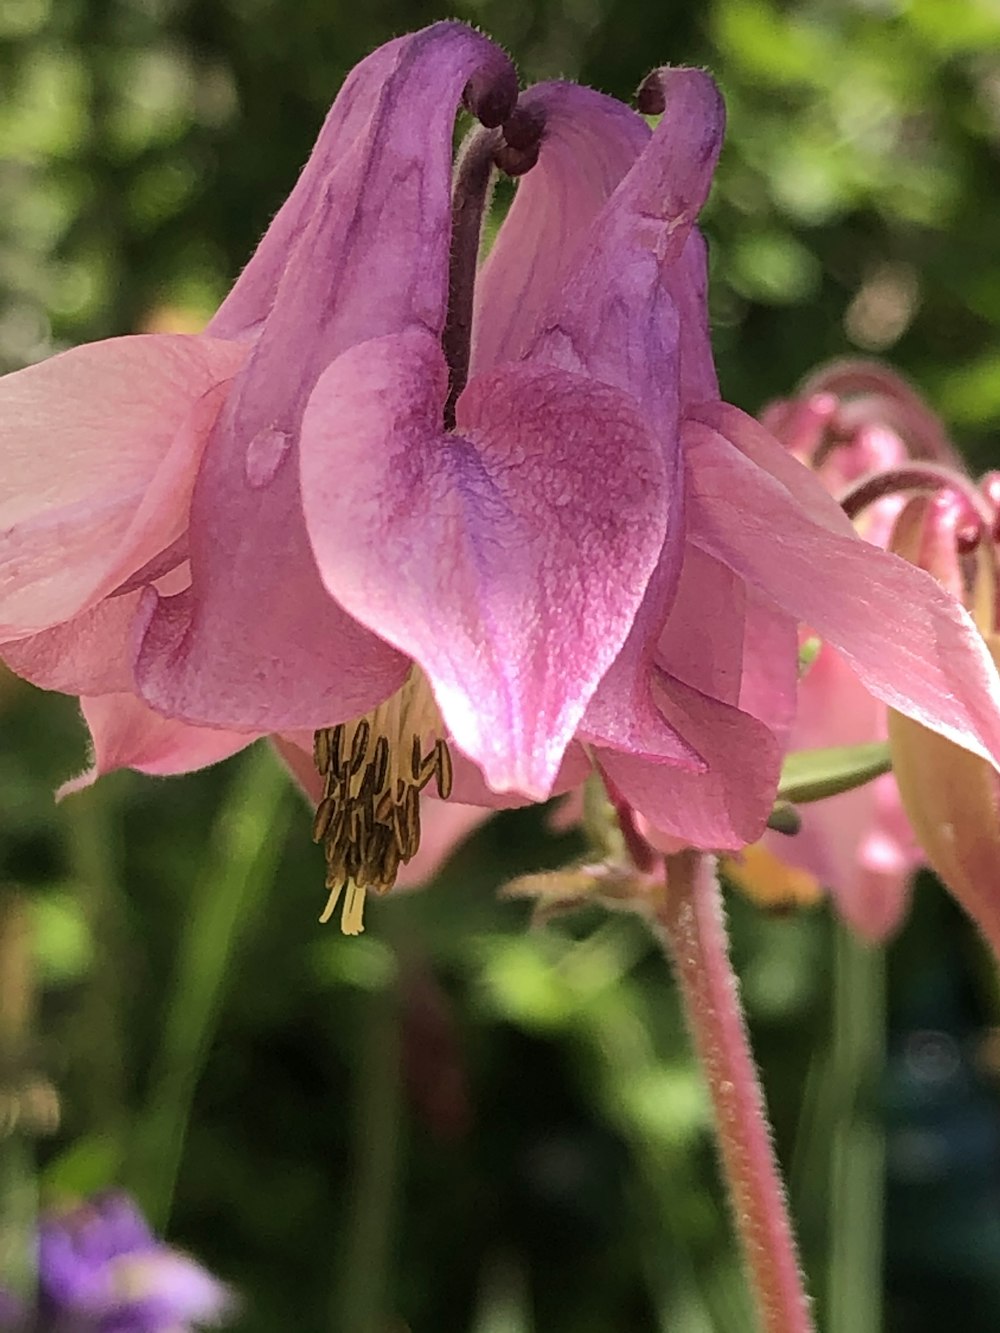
column 101, row 1270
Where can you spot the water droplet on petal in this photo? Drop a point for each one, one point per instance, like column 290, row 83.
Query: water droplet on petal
column 265, row 454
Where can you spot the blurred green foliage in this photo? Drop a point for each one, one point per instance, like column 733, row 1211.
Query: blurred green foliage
column 458, row 1121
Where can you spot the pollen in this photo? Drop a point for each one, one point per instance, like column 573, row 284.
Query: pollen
column 373, row 771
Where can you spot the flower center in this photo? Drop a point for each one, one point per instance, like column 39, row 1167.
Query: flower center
column 374, row 770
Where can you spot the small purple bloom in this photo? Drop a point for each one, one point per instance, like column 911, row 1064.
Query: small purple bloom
column 101, row 1270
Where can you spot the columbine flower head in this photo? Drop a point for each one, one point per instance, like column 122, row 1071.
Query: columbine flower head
column 887, row 457
column 481, row 532
column 101, row 1270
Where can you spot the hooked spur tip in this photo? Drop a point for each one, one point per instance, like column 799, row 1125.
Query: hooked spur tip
column 491, row 93
column 515, row 161
column 521, row 141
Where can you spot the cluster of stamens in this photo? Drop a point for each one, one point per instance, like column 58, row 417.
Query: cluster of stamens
column 369, row 816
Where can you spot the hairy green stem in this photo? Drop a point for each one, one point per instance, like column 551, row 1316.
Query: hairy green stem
column 94, row 838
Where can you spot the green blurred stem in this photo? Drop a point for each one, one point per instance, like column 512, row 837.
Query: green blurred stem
column 18, row 1187
column 244, row 849
column 362, row 1293
column 691, row 918
column 94, row 839
column 857, row 1154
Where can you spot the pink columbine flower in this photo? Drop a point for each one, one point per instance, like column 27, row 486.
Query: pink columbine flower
column 486, row 532
column 849, row 421
column 881, row 450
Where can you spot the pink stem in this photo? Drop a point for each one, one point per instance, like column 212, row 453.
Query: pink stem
column 690, row 915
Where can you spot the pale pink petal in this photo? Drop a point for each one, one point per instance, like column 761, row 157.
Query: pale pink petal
column 724, row 677
column 750, row 438
column 912, row 645
column 470, row 786
column 92, row 653
column 508, row 560
column 100, row 447
column 443, row 825
column 258, row 642
column 622, row 713
column 769, row 682
column 701, row 642
column 127, row 734
column 723, row 808
column 726, row 640
column 295, row 749
column 588, row 144
column 87, row 655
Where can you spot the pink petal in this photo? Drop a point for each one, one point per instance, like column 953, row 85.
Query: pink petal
column 688, row 284
column 127, row 734
column 589, row 143
column 470, row 786
column 622, row 713
column 702, row 640
column 727, row 641
column 87, row 655
column 92, row 653
column 770, row 664
column 249, row 303
column 912, row 645
column 100, row 447
column 443, row 825
column 509, row 560
column 403, row 79
column 617, row 317
column 257, row 642
column 724, row 666
column 726, row 806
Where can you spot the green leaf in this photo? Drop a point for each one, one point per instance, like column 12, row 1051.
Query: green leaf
column 812, row 775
